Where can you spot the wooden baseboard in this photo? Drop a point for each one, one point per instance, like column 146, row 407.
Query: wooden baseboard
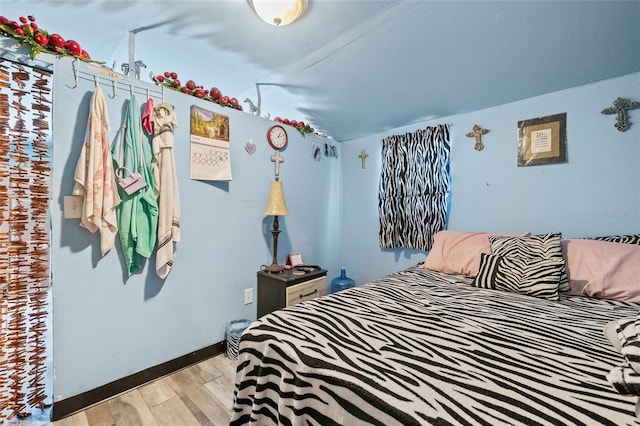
column 66, row 407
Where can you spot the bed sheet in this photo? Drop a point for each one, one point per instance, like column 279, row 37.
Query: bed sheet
column 421, row 347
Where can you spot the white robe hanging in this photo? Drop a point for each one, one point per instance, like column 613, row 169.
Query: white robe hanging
column 95, row 178
column 166, row 186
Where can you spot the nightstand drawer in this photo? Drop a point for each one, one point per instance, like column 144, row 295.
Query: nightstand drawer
column 306, row 291
column 275, row 291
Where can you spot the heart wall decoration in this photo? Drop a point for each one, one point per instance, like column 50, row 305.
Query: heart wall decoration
column 250, row 148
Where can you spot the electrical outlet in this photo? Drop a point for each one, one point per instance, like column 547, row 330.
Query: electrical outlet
column 248, row 296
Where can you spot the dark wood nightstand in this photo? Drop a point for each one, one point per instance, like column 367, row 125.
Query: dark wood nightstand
column 276, row 291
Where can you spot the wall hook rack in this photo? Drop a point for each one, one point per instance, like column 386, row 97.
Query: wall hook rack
column 115, row 89
column 116, row 82
column 75, row 74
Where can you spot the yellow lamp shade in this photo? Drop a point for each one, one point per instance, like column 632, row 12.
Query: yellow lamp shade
column 276, row 206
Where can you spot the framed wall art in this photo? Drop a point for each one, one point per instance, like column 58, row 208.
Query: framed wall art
column 542, row 140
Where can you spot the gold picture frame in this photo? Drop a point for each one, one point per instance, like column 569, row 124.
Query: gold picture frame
column 542, row 140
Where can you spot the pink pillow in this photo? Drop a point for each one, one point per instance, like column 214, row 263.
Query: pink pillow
column 603, row 269
column 458, row 252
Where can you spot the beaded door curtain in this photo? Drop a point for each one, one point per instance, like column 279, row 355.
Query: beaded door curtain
column 25, row 168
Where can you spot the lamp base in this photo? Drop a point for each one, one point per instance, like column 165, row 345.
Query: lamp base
column 274, row 268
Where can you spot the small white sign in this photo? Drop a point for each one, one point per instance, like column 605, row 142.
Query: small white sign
column 541, row 141
column 73, row 206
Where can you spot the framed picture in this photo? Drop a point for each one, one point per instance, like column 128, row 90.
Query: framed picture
column 208, row 124
column 542, row 140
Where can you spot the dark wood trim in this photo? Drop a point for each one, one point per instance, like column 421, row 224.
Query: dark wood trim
column 84, row 400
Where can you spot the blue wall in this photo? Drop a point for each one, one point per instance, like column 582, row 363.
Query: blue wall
column 106, row 327
column 597, row 192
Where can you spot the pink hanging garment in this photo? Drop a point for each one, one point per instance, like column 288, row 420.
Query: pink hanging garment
column 147, row 117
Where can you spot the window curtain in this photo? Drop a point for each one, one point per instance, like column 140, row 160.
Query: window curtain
column 413, row 196
column 25, row 166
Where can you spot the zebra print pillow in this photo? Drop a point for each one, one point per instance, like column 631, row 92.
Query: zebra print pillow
column 546, row 246
column 624, row 239
column 533, row 276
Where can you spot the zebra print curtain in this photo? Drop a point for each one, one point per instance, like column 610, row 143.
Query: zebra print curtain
column 25, row 113
column 413, row 197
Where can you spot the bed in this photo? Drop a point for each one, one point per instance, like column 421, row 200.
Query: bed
column 427, row 347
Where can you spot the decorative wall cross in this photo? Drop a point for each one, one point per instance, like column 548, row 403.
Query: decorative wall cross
column 363, row 155
column 277, row 159
column 620, row 107
column 477, row 133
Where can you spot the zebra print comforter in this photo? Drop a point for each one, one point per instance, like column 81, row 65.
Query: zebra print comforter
column 420, row 347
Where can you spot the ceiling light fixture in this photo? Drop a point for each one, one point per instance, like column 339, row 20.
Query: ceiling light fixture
column 278, row 12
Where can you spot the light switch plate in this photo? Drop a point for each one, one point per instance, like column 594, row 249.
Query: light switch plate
column 248, row 296
column 73, row 207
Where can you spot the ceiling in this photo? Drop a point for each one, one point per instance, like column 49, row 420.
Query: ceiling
column 354, row 68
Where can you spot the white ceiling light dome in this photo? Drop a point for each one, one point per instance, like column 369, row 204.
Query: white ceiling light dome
column 278, row 12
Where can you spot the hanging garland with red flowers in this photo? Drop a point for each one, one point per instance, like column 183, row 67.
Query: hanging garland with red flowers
column 171, row 81
column 300, row 126
column 28, row 33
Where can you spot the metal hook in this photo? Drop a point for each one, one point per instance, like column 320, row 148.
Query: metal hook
column 96, row 80
column 115, row 89
column 148, row 95
column 75, row 74
column 131, row 88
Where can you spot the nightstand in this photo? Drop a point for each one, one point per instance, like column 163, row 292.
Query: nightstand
column 276, row 291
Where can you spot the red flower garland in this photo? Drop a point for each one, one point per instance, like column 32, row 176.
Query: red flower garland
column 26, row 31
column 299, row 125
column 170, row 80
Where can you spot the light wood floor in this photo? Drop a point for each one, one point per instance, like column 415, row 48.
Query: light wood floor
column 198, row 395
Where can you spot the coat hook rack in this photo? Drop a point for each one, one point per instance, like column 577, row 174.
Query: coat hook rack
column 115, row 89
column 74, row 65
column 106, row 77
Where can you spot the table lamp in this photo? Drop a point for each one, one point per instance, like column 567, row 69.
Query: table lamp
column 276, row 206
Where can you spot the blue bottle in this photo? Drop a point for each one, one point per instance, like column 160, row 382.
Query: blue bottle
column 342, row 282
